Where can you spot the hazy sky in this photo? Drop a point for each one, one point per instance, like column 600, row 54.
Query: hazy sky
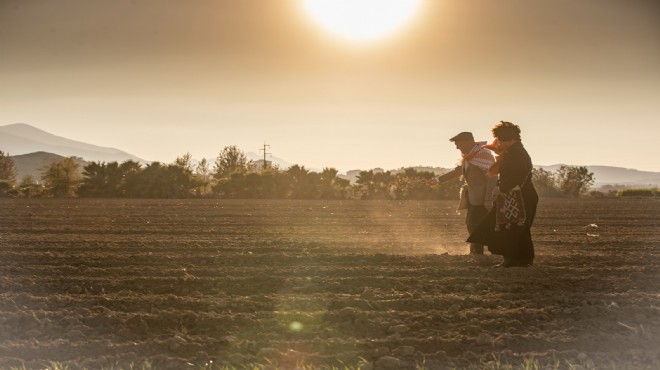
column 158, row 78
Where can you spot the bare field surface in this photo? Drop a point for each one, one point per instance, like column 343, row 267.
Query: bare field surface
column 181, row 283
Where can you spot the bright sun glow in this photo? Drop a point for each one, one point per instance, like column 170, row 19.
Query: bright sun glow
column 362, row 20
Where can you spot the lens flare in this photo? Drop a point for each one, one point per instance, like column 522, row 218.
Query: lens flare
column 362, row 20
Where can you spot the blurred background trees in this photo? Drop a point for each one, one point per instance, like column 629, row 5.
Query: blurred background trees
column 571, row 181
column 574, row 180
column 234, row 176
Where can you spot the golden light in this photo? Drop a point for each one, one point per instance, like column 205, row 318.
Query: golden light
column 362, row 20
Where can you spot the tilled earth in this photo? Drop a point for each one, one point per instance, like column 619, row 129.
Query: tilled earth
column 210, row 283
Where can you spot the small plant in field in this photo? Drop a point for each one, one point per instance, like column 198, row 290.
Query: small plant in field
column 421, row 366
column 495, row 364
column 145, row 366
column 555, row 363
column 530, row 363
column 52, row 365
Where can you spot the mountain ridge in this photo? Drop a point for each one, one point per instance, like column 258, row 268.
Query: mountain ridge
column 22, row 138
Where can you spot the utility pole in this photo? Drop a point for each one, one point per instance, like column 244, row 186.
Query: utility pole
column 265, row 150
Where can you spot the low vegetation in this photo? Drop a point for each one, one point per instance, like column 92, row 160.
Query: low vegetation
column 645, row 193
column 234, row 177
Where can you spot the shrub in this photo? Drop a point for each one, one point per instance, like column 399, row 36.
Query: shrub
column 646, row 193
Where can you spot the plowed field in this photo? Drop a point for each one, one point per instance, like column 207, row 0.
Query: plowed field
column 211, row 283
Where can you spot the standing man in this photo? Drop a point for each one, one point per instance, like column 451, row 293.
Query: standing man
column 477, row 190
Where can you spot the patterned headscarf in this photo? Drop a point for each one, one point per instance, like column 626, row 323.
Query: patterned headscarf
column 479, row 156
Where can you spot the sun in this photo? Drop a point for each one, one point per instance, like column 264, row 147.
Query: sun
column 362, row 20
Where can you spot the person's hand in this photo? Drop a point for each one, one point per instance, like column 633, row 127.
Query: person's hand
column 488, row 205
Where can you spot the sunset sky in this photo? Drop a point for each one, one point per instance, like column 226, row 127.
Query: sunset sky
column 158, row 78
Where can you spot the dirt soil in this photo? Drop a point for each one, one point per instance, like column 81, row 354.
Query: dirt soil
column 181, row 283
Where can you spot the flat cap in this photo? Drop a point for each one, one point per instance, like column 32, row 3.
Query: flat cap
column 463, row 136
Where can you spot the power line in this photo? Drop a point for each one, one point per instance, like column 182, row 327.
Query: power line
column 265, row 150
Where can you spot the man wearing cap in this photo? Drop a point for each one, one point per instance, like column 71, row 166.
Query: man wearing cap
column 477, row 190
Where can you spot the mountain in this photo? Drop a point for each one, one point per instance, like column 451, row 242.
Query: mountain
column 31, row 164
column 21, row 138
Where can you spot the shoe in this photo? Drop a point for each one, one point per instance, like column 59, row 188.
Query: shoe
column 510, row 263
column 514, row 263
column 499, row 265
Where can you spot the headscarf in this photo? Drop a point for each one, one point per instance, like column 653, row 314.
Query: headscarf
column 479, row 156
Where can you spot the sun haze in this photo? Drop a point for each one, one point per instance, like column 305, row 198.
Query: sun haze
column 361, row 20
column 158, row 78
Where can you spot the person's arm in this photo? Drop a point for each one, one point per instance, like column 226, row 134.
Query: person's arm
column 456, row 172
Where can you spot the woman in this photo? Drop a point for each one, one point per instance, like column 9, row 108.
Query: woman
column 514, row 167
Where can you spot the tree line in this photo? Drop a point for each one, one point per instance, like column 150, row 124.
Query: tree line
column 233, row 176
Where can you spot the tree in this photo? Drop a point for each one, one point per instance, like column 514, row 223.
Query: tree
column 108, row 180
column 184, row 172
column 203, row 177
column 100, row 180
column 202, row 170
column 331, row 186
column 29, row 188
column 61, row 178
column 160, row 181
column 302, row 182
column 375, row 185
column 130, row 178
column 94, row 180
column 545, row 182
column 185, row 162
column 230, row 161
column 573, row 180
column 413, row 184
column 7, row 169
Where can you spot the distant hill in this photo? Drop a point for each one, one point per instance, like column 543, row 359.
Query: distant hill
column 21, row 138
column 31, row 164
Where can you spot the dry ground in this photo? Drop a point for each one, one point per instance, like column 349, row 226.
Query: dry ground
column 181, row 283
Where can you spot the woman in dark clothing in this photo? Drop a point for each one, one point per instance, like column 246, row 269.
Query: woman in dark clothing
column 514, row 167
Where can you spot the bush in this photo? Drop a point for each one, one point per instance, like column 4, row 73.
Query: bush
column 646, row 193
column 5, row 188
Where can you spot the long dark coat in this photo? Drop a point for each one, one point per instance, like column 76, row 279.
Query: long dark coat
column 516, row 242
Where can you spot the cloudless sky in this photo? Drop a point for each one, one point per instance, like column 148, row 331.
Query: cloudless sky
column 158, row 78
